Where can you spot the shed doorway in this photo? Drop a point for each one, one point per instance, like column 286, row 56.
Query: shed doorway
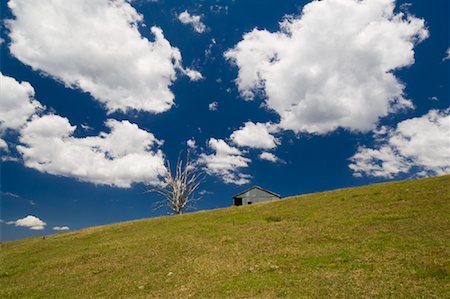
column 238, row 201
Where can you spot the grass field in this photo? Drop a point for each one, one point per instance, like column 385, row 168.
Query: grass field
column 386, row 240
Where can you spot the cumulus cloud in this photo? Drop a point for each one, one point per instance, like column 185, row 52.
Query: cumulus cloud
column 254, row 136
column 17, row 103
column 421, row 144
column 225, row 163
column 195, row 21
column 124, row 156
column 30, row 221
column 61, row 228
column 213, row 106
column 332, row 66
column 95, row 45
column 269, row 157
column 3, row 145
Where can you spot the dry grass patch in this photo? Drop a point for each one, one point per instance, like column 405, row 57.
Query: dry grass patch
column 387, row 240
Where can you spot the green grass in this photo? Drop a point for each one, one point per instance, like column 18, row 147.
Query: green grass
column 387, row 240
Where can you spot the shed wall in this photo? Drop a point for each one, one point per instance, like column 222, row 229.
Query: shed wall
column 256, row 195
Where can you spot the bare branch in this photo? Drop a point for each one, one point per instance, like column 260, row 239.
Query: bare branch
column 178, row 190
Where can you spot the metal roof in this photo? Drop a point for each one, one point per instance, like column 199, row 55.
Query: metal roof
column 257, row 187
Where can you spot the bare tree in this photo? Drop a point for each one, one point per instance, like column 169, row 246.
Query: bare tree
column 179, row 187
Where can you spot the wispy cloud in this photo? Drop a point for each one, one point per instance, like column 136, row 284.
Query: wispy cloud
column 195, row 21
column 61, row 228
column 10, row 194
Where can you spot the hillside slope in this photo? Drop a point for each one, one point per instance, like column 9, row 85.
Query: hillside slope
column 386, row 240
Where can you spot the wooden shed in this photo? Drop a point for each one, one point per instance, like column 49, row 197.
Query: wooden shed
column 253, row 195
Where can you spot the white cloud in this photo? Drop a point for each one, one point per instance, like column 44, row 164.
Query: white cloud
column 226, row 162
column 205, row 192
column 10, row 194
column 3, row 145
column 269, row 157
column 254, row 136
column 447, row 57
column 332, row 66
column 192, row 74
column 86, row 127
column 32, row 222
column 195, row 21
column 119, row 158
column 95, row 45
column 61, row 228
column 209, row 50
column 191, row 143
column 16, row 103
column 216, row 8
column 421, row 144
column 213, row 106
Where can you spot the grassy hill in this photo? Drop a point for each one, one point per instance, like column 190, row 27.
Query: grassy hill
column 386, row 240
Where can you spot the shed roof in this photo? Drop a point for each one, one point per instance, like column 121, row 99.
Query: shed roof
column 257, row 187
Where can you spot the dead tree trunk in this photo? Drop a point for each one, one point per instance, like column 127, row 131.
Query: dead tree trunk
column 179, row 187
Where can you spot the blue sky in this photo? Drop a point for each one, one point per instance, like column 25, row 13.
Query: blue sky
column 346, row 93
